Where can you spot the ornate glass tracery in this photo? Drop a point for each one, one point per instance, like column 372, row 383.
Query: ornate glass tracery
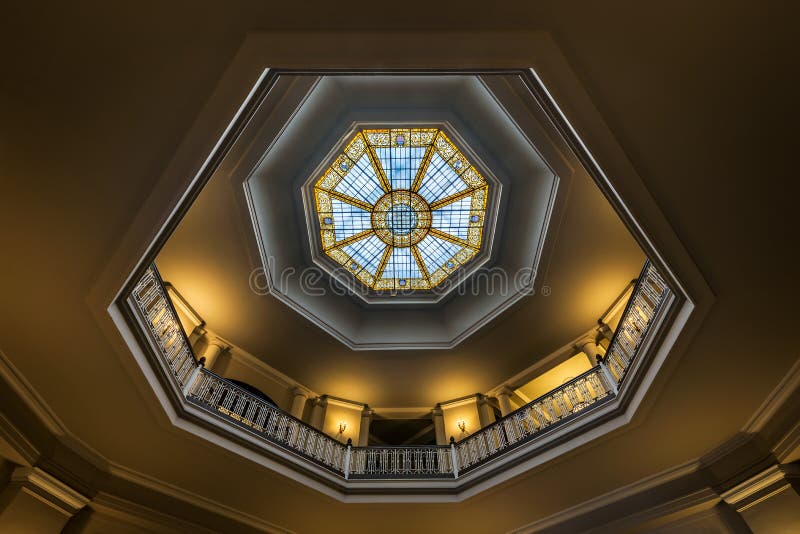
column 401, row 209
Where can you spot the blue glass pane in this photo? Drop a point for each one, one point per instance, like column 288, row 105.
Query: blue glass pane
column 440, row 180
column 349, row 220
column 453, row 218
column 435, row 252
column 361, row 182
column 367, row 252
column 400, row 164
column 402, row 264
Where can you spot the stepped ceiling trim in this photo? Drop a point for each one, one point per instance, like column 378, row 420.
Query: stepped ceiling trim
column 181, row 181
column 338, row 107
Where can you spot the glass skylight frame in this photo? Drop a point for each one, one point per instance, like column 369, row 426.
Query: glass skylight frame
column 401, row 209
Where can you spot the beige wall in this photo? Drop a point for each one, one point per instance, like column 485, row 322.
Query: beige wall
column 555, row 377
column 460, row 410
column 345, row 412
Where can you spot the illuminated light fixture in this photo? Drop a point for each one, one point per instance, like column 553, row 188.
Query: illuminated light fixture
column 462, row 426
column 401, row 209
column 342, row 427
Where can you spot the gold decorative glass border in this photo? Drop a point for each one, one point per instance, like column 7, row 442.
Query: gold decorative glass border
column 365, row 142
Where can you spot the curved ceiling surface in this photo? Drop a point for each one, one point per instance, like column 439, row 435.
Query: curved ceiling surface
column 246, row 249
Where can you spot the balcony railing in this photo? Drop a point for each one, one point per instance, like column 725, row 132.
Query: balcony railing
column 544, row 413
column 429, row 461
column 231, row 403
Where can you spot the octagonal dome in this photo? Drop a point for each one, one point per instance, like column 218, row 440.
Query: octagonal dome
column 302, row 124
column 401, row 209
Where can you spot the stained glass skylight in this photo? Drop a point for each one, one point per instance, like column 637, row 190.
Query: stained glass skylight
column 401, row 209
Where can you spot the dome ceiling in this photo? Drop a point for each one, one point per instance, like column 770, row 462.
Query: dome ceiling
column 401, row 209
column 249, row 258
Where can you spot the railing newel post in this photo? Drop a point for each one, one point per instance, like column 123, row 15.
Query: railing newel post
column 608, row 376
column 193, row 376
column 347, row 454
column 454, row 456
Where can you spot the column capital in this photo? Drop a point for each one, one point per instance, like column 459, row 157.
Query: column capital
column 198, row 331
column 300, row 391
column 605, row 331
column 588, row 346
column 586, row 340
column 503, row 395
column 217, row 342
column 504, row 390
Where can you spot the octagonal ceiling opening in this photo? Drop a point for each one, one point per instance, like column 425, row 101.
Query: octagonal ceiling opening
column 304, row 142
column 254, row 217
column 531, row 159
column 402, row 210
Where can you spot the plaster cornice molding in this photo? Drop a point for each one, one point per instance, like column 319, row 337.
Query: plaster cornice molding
column 757, row 488
column 22, row 452
column 607, row 499
column 777, row 397
column 28, row 451
column 461, row 401
column 25, row 391
column 410, row 412
column 141, row 517
column 345, row 403
column 788, row 443
column 695, row 502
column 544, row 364
column 193, row 499
column 49, row 489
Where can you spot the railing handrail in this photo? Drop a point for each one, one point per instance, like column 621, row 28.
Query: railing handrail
column 628, row 305
column 175, row 313
column 540, row 414
column 583, row 375
column 538, row 399
column 421, row 447
column 273, row 406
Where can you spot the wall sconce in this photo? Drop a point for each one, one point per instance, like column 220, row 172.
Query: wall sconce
column 342, row 427
column 462, row 426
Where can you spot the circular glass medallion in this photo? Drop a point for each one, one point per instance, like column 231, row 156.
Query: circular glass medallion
column 401, row 218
